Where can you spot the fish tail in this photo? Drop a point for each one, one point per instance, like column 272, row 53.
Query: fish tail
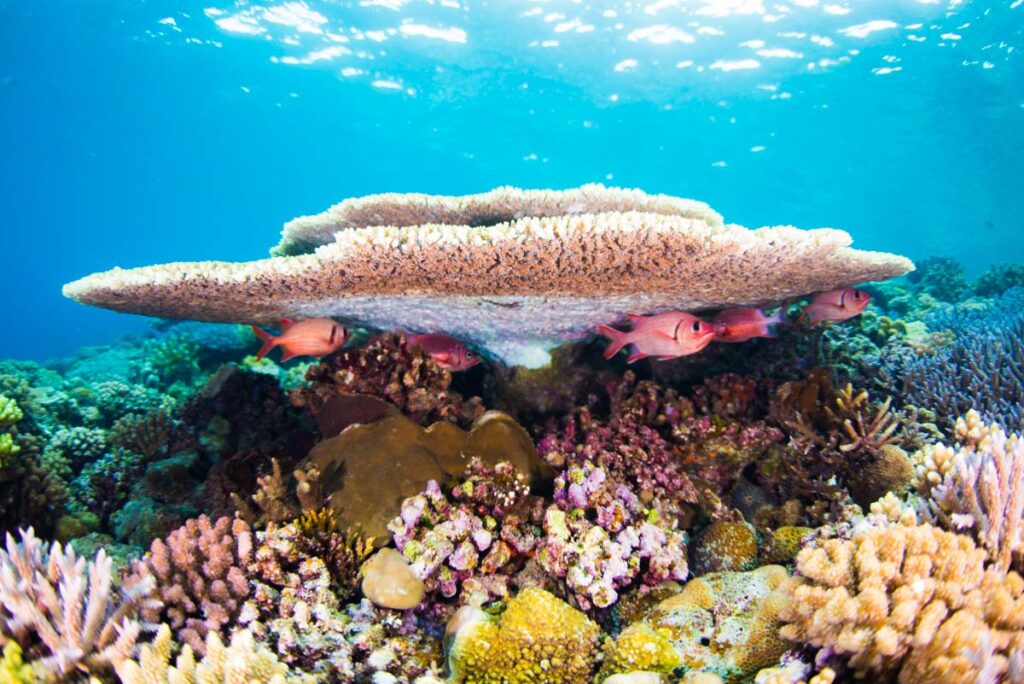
column 617, row 340
column 269, row 341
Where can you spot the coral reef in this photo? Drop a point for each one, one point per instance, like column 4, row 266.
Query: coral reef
column 912, row 599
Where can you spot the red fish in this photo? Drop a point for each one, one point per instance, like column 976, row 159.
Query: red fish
column 313, row 337
column 835, row 305
column 740, row 325
column 448, row 352
column 666, row 336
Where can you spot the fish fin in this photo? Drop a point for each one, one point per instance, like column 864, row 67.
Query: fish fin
column 617, row 340
column 288, row 355
column 269, row 341
column 286, row 323
column 635, row 356
column 667, row 358
column 634, row 316
column 443, row 357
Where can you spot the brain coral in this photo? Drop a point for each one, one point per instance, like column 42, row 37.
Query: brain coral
column 537, row 639
column 909, row 599
column 516, row 288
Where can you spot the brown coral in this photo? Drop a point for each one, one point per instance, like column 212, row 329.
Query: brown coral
column 200, row 576
column 896, row 598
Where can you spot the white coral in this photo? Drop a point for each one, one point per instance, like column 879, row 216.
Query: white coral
column 65, row 602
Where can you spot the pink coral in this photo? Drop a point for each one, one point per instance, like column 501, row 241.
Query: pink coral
column 200, row 577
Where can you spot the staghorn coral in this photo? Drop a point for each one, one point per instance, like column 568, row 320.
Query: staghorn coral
column 30, row 495
column 481, row 529
column 537, row 638
column 388, row 368
column 240, row 661
column 523, row 287
column 200, row 576
column 982, row 489
column 897, row 599
column 62, row 609
column 723, row 623
column 146, row 435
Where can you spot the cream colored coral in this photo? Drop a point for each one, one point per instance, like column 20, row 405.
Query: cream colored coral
column 892, row 509
column 516, row 288
column 885, row 598
column 241, row 662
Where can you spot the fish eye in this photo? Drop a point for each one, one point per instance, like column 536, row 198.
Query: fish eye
column 695, row 327
column 857, row 294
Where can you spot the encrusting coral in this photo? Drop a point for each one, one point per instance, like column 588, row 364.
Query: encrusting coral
column 912, row 599
column 517, row 289
column 63, row 610
column 200, row 577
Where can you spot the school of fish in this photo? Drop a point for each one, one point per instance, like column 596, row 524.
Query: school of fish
column 661, row 336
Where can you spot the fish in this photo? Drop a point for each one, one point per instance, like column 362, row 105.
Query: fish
column 312, row 337
column 446, row 351
column 746, row 323
column 835, row 306
column 665, row 336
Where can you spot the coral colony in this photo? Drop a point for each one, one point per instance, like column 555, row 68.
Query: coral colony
column 797, row 473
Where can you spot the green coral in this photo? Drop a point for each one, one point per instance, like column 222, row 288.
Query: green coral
column 998, row 279
column 538, row 638
column 726, row 623
column 10, row 413
column 14, row 670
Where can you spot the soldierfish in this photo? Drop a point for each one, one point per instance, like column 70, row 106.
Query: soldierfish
column 448, row 352
column 742, row 324
column 313, row 337
column 665, row 336
column 835, row 305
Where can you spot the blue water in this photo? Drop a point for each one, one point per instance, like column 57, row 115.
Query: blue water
column 143, row 132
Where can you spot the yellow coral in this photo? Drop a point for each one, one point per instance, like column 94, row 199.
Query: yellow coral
column 725, row 623
column 8, row 448
column 724, row 546
column 241, row 662
column 538, row 638
column 13, row 670
column 785, row 543
column 10, row 412
column 910, row 598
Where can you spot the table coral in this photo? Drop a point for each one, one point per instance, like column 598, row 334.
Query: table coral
column 725, row 623
column 517, row 288
column 200, row 577
column 538, row 638
column 898, row 599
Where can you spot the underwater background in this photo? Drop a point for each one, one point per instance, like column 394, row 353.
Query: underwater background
column 828, row 489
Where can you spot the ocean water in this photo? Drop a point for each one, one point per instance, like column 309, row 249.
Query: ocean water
column 144, row 132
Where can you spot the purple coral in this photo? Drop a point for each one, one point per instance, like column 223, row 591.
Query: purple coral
column 200, row 577
column 483, row 531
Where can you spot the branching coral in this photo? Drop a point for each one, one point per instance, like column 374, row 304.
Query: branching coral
column 241, row 661
column 388, row 368
column 982, row 489
column 200, row 577
column 62, row 609
column 900, row 598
